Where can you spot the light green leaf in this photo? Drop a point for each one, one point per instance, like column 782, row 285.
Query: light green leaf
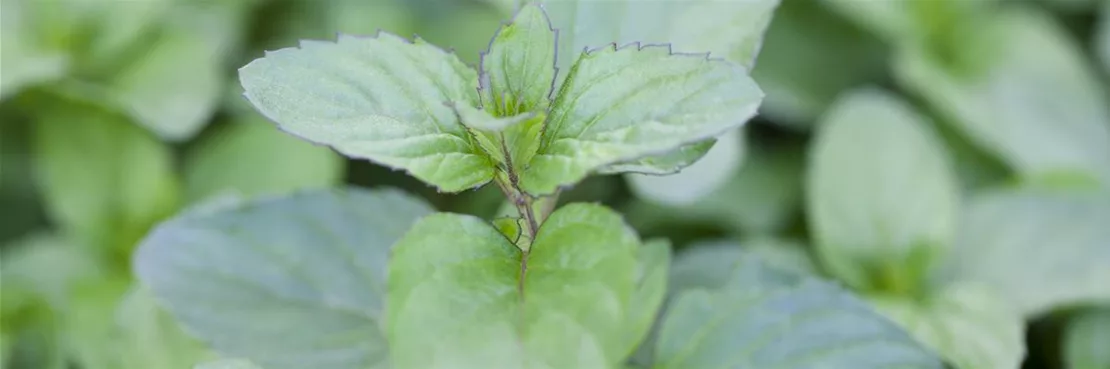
column 104, row 179
column 227, row 364
column 731, row 29
column 463, row 296
column 742, row 314
column 1086, row 340
column 383, row 99
column 809, row 57
column 518, row 70
column 919, row 22
column 695, row 181
column 510, row 141
column 266, row 161
column 882, row 196
column 623, row 104
column 669, row 163
column 967, row 325
column 183, row 59
column 24, row 61
column 37, row 275
column 112, row 326
column 1035, row 102
column 654, row 266
column 291, row 282
column 1040, row 250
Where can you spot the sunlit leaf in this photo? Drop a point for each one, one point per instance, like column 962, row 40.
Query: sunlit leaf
column 519, row 68
column 383, row 99
column 461, row 295
column 620, row 104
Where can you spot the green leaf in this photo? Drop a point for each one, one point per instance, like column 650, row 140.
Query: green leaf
column 104, row 179
column 267, row 161
column 518, row 70
column 696, row 181
column 293, row 282
column 181, row 58
column 1034, row 103
column 45, row 266
column 510, row 141
column 227, row 364
column 742, row 314
column 731, row 29
column 661, row 165
column 1086, row 339
column 1040, row 250
column 967, row 325
column 37, row 274
column 621, row 104
column 808, row 58
column 882, row 196
column 24, row 61
column 141, row 335
column 381, row 99
column 461, row 295
column 654, row 266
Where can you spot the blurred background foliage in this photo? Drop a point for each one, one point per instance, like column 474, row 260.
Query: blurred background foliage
column 117, row 114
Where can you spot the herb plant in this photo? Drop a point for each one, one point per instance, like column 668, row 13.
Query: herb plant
column 361, row 279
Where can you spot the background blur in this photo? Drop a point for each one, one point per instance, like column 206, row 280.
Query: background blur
column 115, row 114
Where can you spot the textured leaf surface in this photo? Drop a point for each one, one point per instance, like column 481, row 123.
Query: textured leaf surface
column 731, row 29
column 695, row 181
column 266, row 161
column 969, row 326
column 104, row 179
column 461, row 296
column 741, row 314
column 290, row 282
column 1035, row 103
column 1086, row 340
column 1039, row 250
column 882, row 196
column 518, row 70
column 620, row 104
column 383, row 99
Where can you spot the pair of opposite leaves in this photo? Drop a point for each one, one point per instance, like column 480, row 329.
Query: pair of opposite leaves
column 415, row 107
column 302, row 282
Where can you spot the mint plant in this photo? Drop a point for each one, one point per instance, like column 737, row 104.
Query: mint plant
column 356, row 279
